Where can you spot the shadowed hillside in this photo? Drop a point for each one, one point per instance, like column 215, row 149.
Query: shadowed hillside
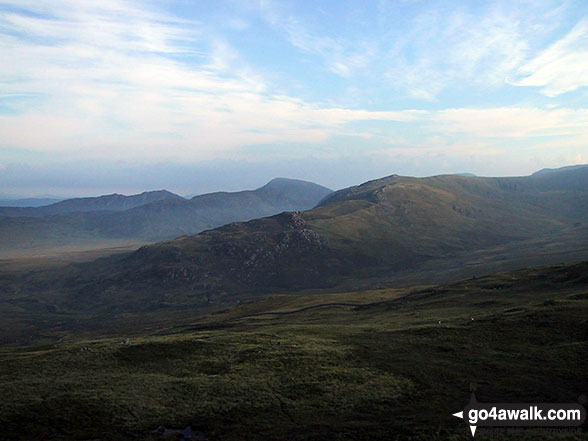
column 390, row 224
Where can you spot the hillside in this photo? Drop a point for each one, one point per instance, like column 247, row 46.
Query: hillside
column 169, row 219
column 396, row 219
column 163, row 219
column 379, row 227
column 367, row 365
column 395, row 230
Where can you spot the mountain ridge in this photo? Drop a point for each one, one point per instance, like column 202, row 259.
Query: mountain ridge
column 161, row 219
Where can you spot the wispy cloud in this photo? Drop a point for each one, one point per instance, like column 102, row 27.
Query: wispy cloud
column 563, row 66
column 109, row 83
column 438, row 48
column 341, row 56
column 513, row 123
column 447, row 51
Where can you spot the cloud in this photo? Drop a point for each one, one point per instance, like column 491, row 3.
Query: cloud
column 422, row 52
column 340, row 56
column 562, row 67
column 430, row 50
column 513, row 122
column 125, row 80
column 448, row 50
column 113, row 79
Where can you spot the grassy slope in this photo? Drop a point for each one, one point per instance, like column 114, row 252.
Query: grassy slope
column 384, row 370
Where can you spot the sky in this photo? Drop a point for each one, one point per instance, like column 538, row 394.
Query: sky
column 124, row 96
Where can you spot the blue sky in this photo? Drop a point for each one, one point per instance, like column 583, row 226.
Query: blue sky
column 194, row 96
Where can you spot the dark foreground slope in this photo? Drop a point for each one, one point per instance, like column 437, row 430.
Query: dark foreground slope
column 158, row 220
column 393, row 367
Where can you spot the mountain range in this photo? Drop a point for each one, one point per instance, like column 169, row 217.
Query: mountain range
column 147, row 217
column 393, row 229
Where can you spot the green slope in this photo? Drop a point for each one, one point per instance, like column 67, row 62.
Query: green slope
column 398, row 221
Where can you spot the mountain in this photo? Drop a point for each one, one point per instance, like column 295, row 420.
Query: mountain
column 28, row 202
column 166, row 218
column 172, row 218
column 380, row 227
column 396, row 229
column 112, row 202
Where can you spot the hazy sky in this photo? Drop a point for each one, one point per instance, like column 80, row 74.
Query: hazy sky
column 194, row 96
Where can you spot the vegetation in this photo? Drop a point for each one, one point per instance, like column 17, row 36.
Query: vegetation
column 314, row 367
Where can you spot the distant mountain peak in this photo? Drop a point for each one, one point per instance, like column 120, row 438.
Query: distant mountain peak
column 279, row 181
column 294, row 185
column 162, row 191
